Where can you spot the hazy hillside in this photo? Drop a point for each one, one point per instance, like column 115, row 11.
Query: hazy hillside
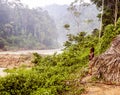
column 24, row 28
column 62, row 16
column 40, row 28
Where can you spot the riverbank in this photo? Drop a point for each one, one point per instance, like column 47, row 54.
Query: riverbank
column 14, row 59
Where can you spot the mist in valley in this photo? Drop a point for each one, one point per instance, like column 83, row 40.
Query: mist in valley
column 24, row 28
column 61, row 15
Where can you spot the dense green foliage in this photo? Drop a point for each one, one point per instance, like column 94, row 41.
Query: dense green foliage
column 24, row 28
column 49, row 74
column 110, row 32
column 47, row 77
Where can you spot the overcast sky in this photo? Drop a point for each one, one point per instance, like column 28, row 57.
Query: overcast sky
column 42, row 3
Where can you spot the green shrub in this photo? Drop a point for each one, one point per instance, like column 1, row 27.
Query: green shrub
column 20, row 83
column 110, row 32
column 50, row 72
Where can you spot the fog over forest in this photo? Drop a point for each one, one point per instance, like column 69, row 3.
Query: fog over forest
column 40, row 28
column 88, row 19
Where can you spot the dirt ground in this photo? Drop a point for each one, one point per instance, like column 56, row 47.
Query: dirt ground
column 100, row 88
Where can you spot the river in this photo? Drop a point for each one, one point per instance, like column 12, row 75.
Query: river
column 44, row 52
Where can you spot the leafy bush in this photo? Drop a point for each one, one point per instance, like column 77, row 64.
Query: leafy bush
column 110, row 32
column 21, row 83
column 50, row 72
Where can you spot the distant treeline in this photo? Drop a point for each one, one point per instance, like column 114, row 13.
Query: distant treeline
column 24, row 28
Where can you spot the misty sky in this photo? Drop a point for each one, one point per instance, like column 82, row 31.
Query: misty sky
column 42, row 3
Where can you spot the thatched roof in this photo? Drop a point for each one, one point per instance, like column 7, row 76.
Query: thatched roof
column 107, row 65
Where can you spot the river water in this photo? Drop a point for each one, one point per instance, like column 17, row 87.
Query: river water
column 44, row 52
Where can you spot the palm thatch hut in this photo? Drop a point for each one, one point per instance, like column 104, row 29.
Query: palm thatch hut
column 107, row 65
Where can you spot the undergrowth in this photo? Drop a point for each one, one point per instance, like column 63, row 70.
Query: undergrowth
column 48, row 77
column 57, row 74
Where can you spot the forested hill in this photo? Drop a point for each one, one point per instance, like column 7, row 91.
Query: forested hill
column 88, row 19
column 24, row 28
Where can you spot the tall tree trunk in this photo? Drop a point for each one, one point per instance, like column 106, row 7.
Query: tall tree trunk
column 101, row 23
column 116, row 12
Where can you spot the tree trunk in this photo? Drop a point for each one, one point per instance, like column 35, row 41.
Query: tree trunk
column 116, row 12
column 101, row 23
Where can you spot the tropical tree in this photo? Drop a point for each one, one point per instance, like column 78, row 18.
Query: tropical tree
column 75, row 10
column 111, row 10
